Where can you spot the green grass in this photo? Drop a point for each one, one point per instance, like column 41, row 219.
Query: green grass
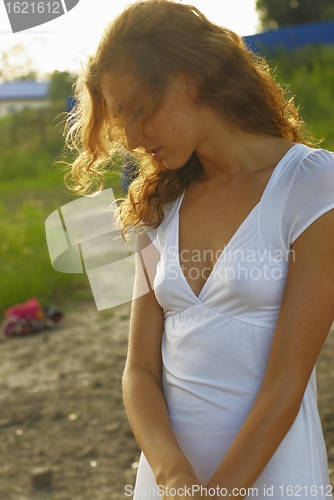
column 25, row 266
column 29, row 143
column 31, row 188
column 309, row 73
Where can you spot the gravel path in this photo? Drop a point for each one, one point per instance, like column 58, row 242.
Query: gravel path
column 61, row 409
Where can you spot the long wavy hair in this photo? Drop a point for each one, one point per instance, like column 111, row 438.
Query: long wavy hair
column 154, row 40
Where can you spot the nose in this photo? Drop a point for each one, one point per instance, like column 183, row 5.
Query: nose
column 134, row 135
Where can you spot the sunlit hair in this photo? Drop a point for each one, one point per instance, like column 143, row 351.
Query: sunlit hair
column 154, row 40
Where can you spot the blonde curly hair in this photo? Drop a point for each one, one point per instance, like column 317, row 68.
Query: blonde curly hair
column 154, row 40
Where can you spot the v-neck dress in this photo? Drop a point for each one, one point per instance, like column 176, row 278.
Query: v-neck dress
column 216, row 345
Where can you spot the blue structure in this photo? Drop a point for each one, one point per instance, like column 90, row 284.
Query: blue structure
column 70, row 103
column 292, row 37
column 23, row 94
column 24, row 89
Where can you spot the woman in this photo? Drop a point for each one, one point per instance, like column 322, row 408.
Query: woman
column 219, row 383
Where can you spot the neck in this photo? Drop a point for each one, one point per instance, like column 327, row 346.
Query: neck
column 226, row 150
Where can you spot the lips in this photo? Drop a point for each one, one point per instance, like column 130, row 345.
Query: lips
column 151, row 151
column 154, row 152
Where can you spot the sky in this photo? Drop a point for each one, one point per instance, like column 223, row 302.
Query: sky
column 64, row 43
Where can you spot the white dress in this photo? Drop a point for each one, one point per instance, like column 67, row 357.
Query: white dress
column 215, row 346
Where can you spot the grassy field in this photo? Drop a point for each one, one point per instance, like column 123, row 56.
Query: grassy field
column 309, row 74
column 25, row 265
column 30, row 189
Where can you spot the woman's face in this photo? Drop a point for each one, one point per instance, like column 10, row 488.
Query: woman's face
column 172, row 132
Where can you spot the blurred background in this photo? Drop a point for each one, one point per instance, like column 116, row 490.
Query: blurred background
column 37, row 70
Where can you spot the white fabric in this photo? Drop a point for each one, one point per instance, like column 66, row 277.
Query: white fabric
column 215, row 346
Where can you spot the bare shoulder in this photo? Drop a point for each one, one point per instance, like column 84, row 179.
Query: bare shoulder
column 307, row 309
column 146, row 322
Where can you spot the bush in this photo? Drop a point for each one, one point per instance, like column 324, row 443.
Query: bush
column 309, row 72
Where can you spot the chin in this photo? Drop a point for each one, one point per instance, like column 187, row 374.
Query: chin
column 175, row 165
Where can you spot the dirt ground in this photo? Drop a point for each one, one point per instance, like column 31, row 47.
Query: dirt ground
column 61, row 408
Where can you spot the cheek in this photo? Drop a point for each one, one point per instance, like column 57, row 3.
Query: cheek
column 152, row 127
column 160, row 128
column 164, row 122
column 170, row 127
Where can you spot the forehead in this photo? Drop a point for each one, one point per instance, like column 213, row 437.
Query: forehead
column 118, row 90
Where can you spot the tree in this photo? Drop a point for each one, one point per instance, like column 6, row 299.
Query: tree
column 60, row 86
column 16, row 64
column 278, row 13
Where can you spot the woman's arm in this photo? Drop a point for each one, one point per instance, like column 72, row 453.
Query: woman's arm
column 142, row 387
column 306, row 315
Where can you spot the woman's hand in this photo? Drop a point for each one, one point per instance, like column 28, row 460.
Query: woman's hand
column 184, row 487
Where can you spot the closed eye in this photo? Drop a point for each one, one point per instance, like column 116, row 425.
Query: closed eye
column 137, row 114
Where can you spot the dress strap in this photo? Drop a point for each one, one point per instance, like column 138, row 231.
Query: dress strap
column 170, row 211
column 271, row 207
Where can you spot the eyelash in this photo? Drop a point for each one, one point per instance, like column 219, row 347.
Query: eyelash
column 137, row 114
